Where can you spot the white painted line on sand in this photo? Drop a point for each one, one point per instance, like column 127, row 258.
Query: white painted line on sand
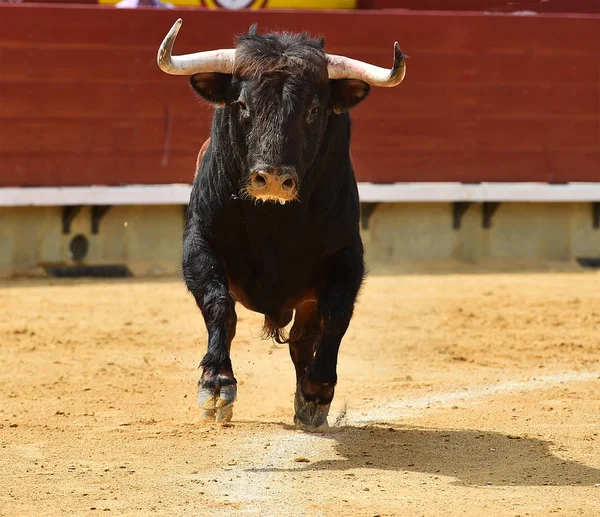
column 413, row 407
column 285, row 446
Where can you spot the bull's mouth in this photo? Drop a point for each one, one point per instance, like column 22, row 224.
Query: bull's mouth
column 270, row 198
column 271, row 188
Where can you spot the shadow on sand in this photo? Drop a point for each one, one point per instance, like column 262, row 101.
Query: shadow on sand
column 472, row 457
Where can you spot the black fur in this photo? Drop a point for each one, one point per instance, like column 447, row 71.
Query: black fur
column 277, row 109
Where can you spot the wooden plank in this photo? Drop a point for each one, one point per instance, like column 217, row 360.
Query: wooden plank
column 93, row 100
column 84, row 65
column 467, row 101
column 486, row 134
column 384, row 166
column 103, row 135
column 64, row 169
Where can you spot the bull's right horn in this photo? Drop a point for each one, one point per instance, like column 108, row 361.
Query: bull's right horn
column 342, row 67
column 216, row 61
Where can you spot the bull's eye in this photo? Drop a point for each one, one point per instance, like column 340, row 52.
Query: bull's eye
column 242, row 105
column 315, row 111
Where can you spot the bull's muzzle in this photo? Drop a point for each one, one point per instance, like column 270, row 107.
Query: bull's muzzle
column 273, row 184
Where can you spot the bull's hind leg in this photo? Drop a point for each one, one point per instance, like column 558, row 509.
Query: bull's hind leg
column 316, row 385
column 205, row 278
column 304, row 334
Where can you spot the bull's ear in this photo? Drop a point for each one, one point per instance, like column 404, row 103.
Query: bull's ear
column 215, row 88
column 347, row 93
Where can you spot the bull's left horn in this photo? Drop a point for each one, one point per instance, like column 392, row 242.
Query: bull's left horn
column 341, row 67
column 217, row 61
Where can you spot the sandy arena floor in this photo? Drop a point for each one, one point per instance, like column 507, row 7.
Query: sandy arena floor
column 468, row 394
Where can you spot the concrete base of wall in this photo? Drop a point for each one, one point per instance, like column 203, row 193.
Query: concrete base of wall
column 147, row 239
column 520, row 236
column 397, row 236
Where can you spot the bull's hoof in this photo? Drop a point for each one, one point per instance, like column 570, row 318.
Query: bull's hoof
column 216, row 397
column 224, row 415
column 308, row 415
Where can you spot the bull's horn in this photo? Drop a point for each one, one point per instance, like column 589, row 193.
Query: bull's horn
column 218, row 61
column 341, row 67
column 222, row 61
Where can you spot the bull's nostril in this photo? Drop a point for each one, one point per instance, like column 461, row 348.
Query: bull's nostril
column 260, row 180
column 288, row 183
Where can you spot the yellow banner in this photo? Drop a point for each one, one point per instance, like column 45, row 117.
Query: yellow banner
column 258, row 4
column 279, row 4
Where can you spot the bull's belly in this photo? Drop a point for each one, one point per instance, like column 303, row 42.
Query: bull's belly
column 273, row 276
column 274, row 300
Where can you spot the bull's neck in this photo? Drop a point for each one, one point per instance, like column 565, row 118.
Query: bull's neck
column 227, row 164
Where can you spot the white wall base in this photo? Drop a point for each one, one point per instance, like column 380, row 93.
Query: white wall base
column 176, row 194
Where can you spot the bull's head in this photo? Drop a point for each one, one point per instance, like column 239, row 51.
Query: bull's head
column 278, row 92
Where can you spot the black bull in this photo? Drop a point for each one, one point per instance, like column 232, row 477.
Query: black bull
column 273, row 218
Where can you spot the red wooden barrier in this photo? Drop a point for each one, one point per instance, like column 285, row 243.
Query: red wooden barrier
column 486, row 98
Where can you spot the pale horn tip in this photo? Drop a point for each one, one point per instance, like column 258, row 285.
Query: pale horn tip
column 175, row 29
column 398, row 54
column 165, row 50
column 399, row 70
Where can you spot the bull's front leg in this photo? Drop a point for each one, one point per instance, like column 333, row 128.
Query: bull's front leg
column 315, row 389
column 205, row 278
